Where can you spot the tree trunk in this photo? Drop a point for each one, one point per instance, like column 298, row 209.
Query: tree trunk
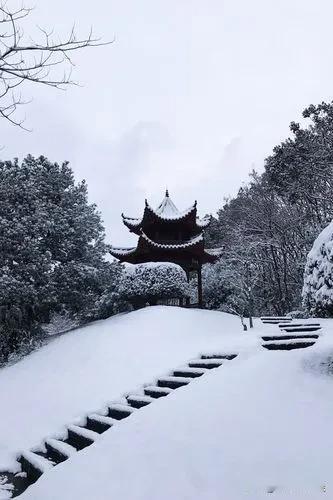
column 199, row 287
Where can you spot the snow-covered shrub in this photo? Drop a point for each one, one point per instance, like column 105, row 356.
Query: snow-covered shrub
column 60, row 322
column 111, row 300
column 216, row 284
column 298, row 314
column 317, row 290
column 149, row 282
column 16, row 340
column 101, row 297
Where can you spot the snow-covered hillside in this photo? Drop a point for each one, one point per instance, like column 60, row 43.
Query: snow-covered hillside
column 83, row 370
column 258, row 425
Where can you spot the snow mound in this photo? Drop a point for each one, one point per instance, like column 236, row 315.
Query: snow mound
column 79, row 372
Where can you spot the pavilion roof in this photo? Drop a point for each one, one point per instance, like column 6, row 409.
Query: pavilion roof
column 174, row 246
column 195, row 245
column 166, row 211
column 167, row 208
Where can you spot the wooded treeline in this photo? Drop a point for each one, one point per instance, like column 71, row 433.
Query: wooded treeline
column 267, row 230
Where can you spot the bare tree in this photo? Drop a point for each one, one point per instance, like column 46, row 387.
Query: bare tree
column 23, row 59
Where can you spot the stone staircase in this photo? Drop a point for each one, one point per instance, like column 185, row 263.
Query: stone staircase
column 295, row 335
column 52, row 451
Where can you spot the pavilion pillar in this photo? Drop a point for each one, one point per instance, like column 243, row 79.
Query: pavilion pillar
column 200, row 303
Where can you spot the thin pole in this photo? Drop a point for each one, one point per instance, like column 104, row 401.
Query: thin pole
column 188, row 280
column 199, row 287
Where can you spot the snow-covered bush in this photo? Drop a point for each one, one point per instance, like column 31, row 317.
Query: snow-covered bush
column 318, row 275
column 16, row 339
column 60, row 322
column 298, row 314
column 149, row 282
column 216, row 284
column 111, row 300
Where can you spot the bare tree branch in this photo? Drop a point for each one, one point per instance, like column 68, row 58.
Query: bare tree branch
column 28, row 61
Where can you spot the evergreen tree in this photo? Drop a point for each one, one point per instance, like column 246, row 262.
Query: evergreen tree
column 51, row 243
column 318, row 275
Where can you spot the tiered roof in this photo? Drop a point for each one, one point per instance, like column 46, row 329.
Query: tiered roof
column 153, row 229
column 166, row 212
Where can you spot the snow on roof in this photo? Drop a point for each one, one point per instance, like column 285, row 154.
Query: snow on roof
column 204, row 222
column 133, row 221
column 122, row 250
column 176, row 246
column 167, row 208
column 166, row 212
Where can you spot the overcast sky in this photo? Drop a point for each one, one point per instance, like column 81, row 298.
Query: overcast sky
column 191, row 95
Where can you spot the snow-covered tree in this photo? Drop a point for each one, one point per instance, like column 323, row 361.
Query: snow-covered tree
column 318, row 275
column 24, row 60
column 110, row 300
column 51, row 244
column 152, row 281
column 229, row 284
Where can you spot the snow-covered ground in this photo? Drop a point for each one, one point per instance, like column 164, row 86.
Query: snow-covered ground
column 81, row 371
column 260, row 425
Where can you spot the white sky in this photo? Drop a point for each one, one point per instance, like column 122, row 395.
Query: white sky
column 192, row 95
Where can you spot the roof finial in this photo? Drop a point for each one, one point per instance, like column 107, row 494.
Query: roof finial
column 167, row 193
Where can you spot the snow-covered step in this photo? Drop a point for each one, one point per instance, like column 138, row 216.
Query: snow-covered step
column 80, row 437
column 288, row 345
column 274, row 320
column 277, row 323
column 173, row 382
column 289, row 337
column 34, row 465
column 46, row 455
column 218, row 356
column 300, row 328
column 139, row 400
column 205, row 363
column 157, row 392
column 189, row 372
column 58, row 450
column 13, row 484
column 293, row 340
column 306, row 322
column 119, row 411
column 99, row 423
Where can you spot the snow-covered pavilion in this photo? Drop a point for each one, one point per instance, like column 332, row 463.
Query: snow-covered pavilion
column 169, row 235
